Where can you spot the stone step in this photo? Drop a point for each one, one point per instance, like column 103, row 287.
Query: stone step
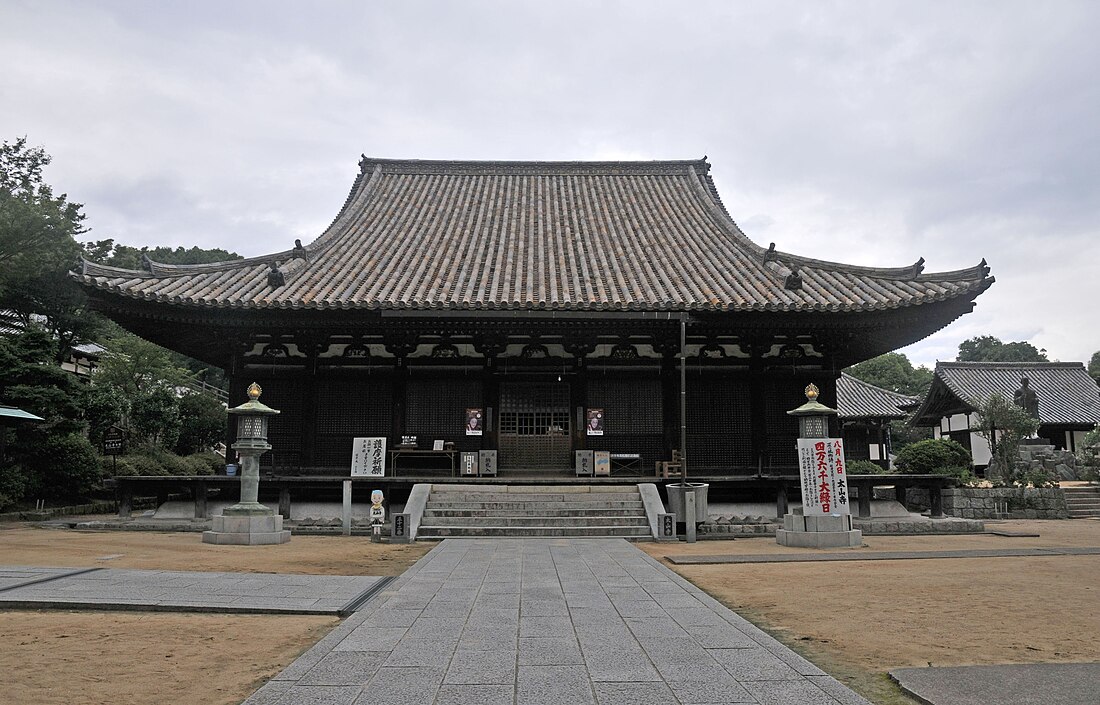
column 537, row 521
column 537, row 531
column 551, row 511
column 533, row 489
column 1085, row 514
column 451, row 497
column 533, row 506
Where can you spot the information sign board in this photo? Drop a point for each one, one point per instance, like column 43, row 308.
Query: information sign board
column 824, row 477
column 368, row 457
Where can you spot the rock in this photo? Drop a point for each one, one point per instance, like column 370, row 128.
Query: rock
column 1064, row 472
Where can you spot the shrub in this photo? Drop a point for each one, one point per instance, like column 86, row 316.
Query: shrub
column 926, row 457
column 119, row 467
column 212, row 462
column 144, row 465
column 864, row 467
column 202, row 423
column 66, row 466
column 195, row 465
column 962, row 473
column 13, row 483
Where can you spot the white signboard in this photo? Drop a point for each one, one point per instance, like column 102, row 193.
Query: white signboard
column 824, row 477
column 368, row 457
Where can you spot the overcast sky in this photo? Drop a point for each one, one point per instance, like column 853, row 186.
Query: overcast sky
column 864, row 132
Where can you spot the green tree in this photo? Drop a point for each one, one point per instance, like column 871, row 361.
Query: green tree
column 986, row 348
column 1094, row 366
column 134, row 366
column 38, row 248
column 155, row 417
column 202, row 423
column 1003, row 425
column 893, row 371
column 117, row 255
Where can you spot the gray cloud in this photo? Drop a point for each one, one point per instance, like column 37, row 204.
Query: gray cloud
column 865, row 132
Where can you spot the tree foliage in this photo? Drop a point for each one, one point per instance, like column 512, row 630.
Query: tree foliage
column 202, row 423
column 38, row 247
column 117, row 255
column 1094, row 366
column 1003, row 425
column 986, row 348
column 893, row 371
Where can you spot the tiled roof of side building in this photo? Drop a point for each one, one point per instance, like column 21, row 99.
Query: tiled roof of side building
column 1065, row 391
column 856, row 399
column 537, row 235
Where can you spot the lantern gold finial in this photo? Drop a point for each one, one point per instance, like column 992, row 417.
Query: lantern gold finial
column 254, row 391
column 812, row 391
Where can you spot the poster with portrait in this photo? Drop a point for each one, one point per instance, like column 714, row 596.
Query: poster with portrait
column 594, row 427
column 474, row 422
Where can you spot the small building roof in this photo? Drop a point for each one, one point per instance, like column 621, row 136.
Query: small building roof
column 856, row 399
column 603, row 236
column 1067, row 395
column 12, row 414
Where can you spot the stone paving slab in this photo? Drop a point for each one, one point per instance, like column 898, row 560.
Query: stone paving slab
column 546, row 621
column 886, row 555
column 180, row 590
column 1021, row 684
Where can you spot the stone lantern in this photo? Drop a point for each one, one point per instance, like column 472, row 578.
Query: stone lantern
column 825, row 519
column 248, row 522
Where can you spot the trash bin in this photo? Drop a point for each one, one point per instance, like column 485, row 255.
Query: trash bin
column 676, row 500
column 231, row 469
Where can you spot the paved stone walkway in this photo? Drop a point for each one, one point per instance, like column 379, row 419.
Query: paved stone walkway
column 526, row 621
column 886, row 555
column 98, row 588
column 1018, row 684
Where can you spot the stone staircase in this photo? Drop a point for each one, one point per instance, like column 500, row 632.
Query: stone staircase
column 1082, row 502
column 534, row 511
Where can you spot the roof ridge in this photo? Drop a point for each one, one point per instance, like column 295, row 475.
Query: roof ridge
column 1006, row 363
column 478, row 166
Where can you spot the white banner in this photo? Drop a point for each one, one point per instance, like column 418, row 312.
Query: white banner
column 368, row 457
column 824, row 479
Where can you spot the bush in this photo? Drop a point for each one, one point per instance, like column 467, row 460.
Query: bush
column 865, row 467
column 202, row 423
column 962, row 473
column 120, row 466
column 65, row 466
column 142, row 464
column 212, row 463
column 927, row 457
column 195, row 465
column 13, row 484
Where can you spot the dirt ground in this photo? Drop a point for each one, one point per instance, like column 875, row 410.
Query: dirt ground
column 944, row 612
column 51, row 657
column 892, row 613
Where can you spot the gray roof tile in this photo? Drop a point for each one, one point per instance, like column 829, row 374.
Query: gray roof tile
column 1065, row 391
column 536, row 235
column 856, row 399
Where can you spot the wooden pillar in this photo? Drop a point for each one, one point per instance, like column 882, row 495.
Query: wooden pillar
column 125, row 500
column 935, row 500
column 490, row 403
column 400, row 388
column 200, row 499
column 756, row 410
column 670, row 406
column 865, row 489
column 578, row 403
column 284, row 501
column 781, row 504
column 308, row 455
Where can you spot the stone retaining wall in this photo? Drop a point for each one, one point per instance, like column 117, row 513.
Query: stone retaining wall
column 991, row 502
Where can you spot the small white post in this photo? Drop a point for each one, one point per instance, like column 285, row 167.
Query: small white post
column 689, row 513
column 346, row 516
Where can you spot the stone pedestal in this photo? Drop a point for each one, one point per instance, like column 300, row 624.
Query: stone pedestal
column 818, row 532
column 252, row 527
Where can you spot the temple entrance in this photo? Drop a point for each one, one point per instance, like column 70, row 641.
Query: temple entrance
column 534, row 426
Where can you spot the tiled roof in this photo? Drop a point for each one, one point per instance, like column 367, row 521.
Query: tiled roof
column 1065, row 391
column 537, row 235
column 856, row 399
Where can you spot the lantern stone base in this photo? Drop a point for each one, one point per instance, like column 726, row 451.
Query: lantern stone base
column 247, row 529
column 818, row 532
